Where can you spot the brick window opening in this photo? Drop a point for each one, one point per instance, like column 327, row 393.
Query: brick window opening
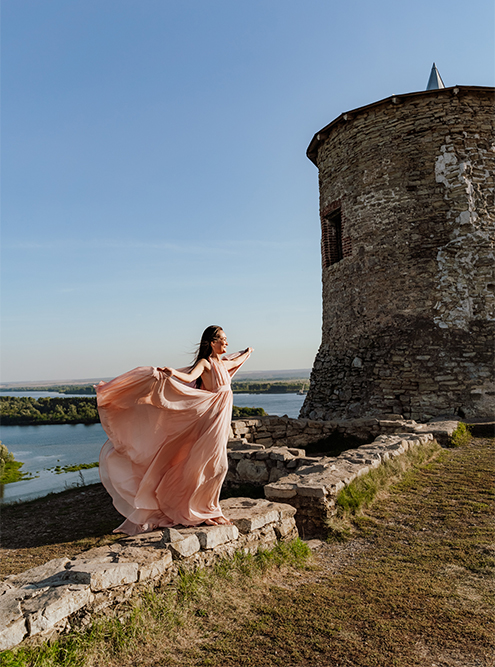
column 331, row 238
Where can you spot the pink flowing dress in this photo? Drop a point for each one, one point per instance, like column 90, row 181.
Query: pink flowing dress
column 166, row 455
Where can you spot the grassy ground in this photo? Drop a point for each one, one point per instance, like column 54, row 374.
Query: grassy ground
column 413, row 587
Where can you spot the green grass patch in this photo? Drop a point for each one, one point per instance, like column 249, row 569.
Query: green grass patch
column 362, row 492
column 10, row 469
column 58, row 470
column 12, row 473
column 461, row 436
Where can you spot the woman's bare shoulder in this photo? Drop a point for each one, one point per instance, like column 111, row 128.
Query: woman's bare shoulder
column 205, row 364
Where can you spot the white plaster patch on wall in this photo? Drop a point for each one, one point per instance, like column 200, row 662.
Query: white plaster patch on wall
column 445, row 161
column 461, row 290
column 462, row 295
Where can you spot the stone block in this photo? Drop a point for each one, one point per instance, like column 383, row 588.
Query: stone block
column 249, row 514
column 311, row 490
column 101, row 576
column 54, row 605
column 12, row 634
column 280, row 490
column 253, row 471
column 334, row 484
column 170, row 535
column 156, row 568
column 38, row 576
column 285, row 510
column 284, row 528
column 12, row 623
column 212, row 536
column 185, row 548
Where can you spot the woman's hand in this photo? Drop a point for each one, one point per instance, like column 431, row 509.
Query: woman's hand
column 168, row 371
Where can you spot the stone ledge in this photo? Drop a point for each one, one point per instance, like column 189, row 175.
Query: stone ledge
column 268, row 457
column 44, row 600
column 313, row 489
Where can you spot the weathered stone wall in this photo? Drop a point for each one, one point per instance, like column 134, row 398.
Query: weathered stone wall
column 273, row 431
column 408, row 313
column 313, row 488
column 311, row 483
column 65, row 594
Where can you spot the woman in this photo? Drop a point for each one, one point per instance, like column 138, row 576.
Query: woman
column 166, row 457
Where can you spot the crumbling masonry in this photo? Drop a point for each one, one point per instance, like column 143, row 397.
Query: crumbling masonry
column 407, row 218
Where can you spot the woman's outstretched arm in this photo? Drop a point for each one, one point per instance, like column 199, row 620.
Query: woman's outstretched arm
column 232, row 363
column 201, row 366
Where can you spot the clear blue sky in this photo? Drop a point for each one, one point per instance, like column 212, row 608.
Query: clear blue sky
column 154, row 170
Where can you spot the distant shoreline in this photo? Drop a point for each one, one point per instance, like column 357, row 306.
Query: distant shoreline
column 244, row 376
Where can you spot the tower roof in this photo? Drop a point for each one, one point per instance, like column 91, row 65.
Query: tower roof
column 393, row 101
column 435, row 80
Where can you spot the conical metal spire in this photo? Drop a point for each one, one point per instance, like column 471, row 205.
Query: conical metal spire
column 435, row 80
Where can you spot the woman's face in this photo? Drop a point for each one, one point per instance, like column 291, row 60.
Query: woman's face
column 219, row 344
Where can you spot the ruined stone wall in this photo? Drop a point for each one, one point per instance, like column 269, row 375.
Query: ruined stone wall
column 67, row 594
column 311, row 484
column 261, row 451
column 408, row 313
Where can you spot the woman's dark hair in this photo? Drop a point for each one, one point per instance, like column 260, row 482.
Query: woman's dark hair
column 204, row 348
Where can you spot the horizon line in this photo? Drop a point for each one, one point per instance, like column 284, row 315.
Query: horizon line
column 10, row 384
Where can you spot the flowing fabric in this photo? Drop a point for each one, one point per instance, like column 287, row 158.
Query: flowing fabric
column 166, row 455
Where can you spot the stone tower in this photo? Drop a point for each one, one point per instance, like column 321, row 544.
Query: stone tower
column 407, row 242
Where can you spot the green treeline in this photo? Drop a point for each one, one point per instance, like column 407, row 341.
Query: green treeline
column 260, row 387
column 24, row 411
column 60, row 388
column 245, row 413
column 268, row 387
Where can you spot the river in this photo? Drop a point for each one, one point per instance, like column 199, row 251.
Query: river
column 43, row 447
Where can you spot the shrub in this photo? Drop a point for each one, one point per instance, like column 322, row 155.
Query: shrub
column 461, row 436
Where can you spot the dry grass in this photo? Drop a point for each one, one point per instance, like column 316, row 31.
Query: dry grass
column 420, row 591
column 414, row 587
